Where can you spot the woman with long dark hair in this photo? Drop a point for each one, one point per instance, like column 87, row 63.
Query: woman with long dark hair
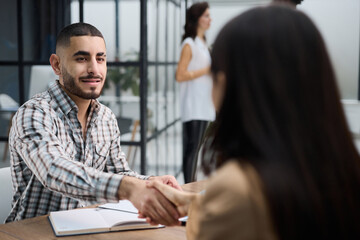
column 286, row 166
column 195, row 84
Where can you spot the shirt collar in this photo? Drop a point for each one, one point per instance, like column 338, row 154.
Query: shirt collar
column 65, row 103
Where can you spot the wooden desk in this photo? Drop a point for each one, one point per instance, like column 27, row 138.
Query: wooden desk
column 39, row 228
column 5, row 236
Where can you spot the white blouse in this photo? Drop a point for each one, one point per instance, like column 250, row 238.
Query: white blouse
column 195, row 95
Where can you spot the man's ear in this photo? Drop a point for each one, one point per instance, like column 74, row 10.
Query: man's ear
column 55, row 63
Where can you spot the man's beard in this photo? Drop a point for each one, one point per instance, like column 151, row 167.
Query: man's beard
column 70, row 86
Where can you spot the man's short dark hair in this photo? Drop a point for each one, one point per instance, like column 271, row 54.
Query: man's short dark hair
column 76, row 30
column 295, row 2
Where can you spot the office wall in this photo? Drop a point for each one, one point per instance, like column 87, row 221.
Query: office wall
column 337, row 20
column 339, row 23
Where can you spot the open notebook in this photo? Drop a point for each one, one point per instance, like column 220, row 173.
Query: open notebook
column 106, row 218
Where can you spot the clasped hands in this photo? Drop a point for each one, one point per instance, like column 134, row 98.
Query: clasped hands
column 179, row 199
column 160, row 200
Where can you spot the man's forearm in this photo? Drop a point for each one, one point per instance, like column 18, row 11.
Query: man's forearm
column 127, row 187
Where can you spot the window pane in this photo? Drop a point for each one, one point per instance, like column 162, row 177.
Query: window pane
column 74, row 13
column 152, row 19
column 152, row 103
column 37, row 79
column 173, row 42
column 8, row 27
column 156, row 97
column 9, row 83
column 42, row 21
column 122, row 42
column 157, row 103
column 171, row 95
column 161, row 30
column 9, row 97
column 178, row 32
column 121, row 95
column 164, row 153
column 129, row 30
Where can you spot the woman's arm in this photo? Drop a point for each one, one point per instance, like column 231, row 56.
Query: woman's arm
column 182, row 74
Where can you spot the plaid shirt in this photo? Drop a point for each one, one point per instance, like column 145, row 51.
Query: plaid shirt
column 53, row 168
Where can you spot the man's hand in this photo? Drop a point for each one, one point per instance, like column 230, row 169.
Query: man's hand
column 151, row 204
column 168, row 180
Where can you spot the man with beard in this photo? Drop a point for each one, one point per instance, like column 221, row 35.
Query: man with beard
column 65, row 145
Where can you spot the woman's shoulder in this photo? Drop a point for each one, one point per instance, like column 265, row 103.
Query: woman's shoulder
column 239, row 178
column 189, row 41
column 233, row 206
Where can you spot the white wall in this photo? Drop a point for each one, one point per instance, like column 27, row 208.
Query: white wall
column 337, row 20
column 222, row 13
column 339, row 23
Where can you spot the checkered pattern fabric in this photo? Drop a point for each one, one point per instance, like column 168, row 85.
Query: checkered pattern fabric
column 53, row 166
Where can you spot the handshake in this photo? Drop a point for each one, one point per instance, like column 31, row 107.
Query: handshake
column 160, row 200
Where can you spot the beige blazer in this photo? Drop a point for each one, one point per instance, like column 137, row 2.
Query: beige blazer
column 233, row 207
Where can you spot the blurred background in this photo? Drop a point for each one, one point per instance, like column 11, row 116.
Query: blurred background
column 143, row 39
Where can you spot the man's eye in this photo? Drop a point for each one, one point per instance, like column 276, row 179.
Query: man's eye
column 101, row 59
column 80, row 59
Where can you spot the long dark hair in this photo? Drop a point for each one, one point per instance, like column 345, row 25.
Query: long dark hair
column 192, row 17
column 282, row 114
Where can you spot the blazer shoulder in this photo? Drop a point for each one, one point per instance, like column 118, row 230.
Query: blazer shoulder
column 233, row 207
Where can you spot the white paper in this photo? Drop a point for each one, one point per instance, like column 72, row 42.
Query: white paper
column 122, row 205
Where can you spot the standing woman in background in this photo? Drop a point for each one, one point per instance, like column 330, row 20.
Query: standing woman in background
column 192, row 73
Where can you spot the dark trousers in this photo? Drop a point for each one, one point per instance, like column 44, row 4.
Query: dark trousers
column 193, row 132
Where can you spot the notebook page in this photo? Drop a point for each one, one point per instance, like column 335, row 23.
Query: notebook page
column 122, row 205
column 78, row 220
column 116, row 218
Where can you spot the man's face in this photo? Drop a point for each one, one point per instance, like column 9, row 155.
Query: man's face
column 83, row 67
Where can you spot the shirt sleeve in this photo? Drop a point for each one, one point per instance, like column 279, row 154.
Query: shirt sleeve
column 34, row 138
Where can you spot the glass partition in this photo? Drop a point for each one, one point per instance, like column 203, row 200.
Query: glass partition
column 120, row 27
column 128, row 36
column 8, row 25
column 164, row 43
